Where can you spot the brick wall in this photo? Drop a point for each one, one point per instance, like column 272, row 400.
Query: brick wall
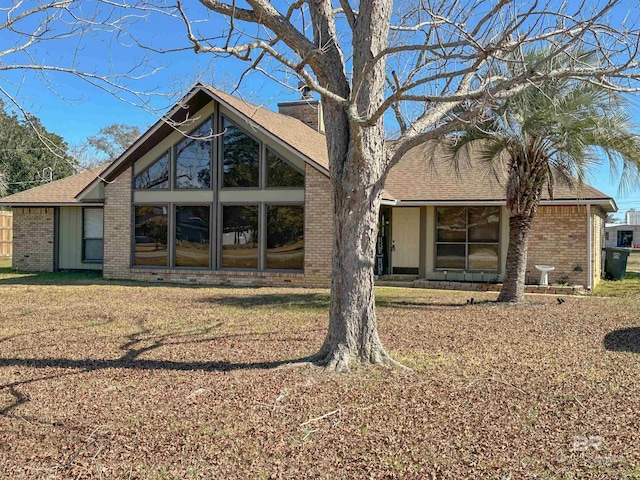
column 318, row 228
column 559, row 238
column 33, row 243
column 598, row 218
column 117, row 227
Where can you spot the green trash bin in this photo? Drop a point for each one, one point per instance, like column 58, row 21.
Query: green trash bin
column 615, row 263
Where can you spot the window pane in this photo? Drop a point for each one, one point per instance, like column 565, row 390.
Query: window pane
column 156, row 176
column 282, row 174
column 151, row 236
column 451, row 224
column 193, row 159
column 285, row 237
column 93, row 226
column 241, row 157
column 450, row 256
column 93, row 250
column 484, row 224
column 240, row 236
column 483, row 257
column 192, row 236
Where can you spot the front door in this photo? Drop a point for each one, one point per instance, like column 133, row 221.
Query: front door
column 405, row 244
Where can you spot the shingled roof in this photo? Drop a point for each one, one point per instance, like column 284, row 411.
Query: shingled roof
column 58, row 192
column 418, row 178
column 415, row 179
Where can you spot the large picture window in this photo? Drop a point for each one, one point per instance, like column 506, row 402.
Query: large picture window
column 151, row 248
column 467, row 238
column 92, row 235
column 192, row 236
column 156, row 176
column 241, row 158
column 193, row 159
column 240, row 244
column 281, row 173
column 285, row 237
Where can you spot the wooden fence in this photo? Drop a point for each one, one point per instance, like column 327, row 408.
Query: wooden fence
column 6, row 233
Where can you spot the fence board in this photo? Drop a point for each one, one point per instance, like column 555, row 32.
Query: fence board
column 6, row 234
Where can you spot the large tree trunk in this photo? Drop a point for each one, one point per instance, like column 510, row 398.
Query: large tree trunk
column 357, row 161
column 356, row 177
column 527, row 175
column 514, row 275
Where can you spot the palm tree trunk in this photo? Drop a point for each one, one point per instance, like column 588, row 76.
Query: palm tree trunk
column 514, row 276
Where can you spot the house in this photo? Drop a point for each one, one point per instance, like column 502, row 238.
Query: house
column 252, row 206
column 625, row 235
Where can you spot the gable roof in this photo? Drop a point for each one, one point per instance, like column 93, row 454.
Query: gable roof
column 414, row 180
column 57, row 193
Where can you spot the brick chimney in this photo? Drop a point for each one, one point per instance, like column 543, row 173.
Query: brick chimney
column 307, row 110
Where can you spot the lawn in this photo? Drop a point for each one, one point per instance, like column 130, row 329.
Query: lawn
column 123, row 380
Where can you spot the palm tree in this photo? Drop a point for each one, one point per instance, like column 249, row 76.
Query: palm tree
column 555, row 130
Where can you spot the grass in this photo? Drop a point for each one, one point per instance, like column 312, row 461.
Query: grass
column 628, row 287
column 124, row 380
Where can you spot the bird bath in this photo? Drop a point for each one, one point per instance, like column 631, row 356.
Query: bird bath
column 544, row 275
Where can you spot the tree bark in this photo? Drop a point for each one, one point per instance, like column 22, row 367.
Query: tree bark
column 514, row 277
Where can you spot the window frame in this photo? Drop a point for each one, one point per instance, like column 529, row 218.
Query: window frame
column 133, row 236
column 467, row 243
column 85, row 238
column 220, row 156
column 169, row 173
column 174, row 223
column 264, row 229
column 220, row 244
column 174, row 158
column 265, row 171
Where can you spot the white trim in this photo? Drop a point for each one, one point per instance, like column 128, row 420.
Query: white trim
column 466, row 203
column 589, row 250
column 52, row 204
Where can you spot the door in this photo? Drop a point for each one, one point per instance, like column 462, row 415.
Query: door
column 405, row 244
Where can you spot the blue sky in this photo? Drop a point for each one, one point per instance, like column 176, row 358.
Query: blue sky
column 75, row 110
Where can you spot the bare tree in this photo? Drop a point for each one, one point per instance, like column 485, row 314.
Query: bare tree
column 427, row 64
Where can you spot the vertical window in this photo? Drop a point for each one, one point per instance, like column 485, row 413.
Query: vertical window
column 192, row 236
column 193, row 159
column 240, row 244
column 241, row 158
column 282, row 174
column 155, row 176
column 92, row 235
column 285, row 237
column 467, row 238
column 150, row 236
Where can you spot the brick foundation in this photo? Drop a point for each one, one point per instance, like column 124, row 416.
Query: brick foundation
column 33, row 242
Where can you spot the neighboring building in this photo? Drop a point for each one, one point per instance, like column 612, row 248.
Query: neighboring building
column 252, row 205
column 632, row 217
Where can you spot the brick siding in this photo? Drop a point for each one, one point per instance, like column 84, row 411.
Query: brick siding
column 33, row 242
column 559, row 238
column 308, row 112
column 318, row 228
column 598, row 219
column 117, row 228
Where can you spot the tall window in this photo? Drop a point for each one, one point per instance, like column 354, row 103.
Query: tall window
column 155, row 176
column 193, row 159
column 281, row 173
column 192, row 236
column 467, row 238
column 240, row 244
column 92, row 235
column 241, row 158
column 151, row 236
column 285, row 237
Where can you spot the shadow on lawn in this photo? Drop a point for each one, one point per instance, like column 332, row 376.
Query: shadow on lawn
column 318, row 301
column 624, row 340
